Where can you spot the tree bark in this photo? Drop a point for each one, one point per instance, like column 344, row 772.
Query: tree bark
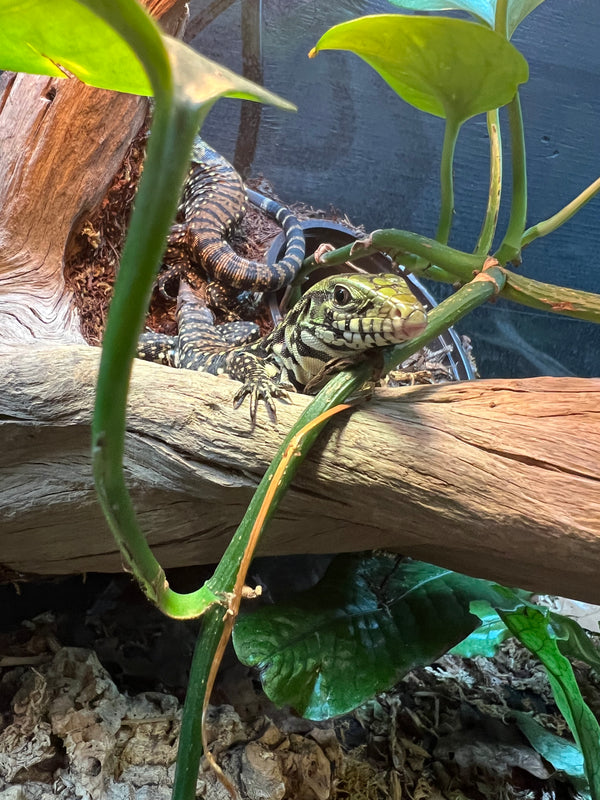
column 61, row 143
column 497, row 479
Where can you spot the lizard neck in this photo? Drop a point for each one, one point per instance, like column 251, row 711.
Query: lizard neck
column 296, row 348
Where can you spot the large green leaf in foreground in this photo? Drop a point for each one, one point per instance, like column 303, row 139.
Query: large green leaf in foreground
column 367, row 623
column 88, row 39
column 482, row 9
column 448, row 67
column 47, row 37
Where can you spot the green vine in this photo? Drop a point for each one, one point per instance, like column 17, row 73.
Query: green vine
column 447, row 179
column 564, row 215
column 488, row 229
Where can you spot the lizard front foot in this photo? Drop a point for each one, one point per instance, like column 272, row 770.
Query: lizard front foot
column 265, row 389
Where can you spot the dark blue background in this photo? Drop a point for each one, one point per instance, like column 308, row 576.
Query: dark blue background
column 355, row 145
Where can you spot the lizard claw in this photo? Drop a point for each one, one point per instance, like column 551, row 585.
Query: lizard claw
column 261, row 389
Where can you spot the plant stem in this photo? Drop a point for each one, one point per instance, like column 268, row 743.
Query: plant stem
column 170, row 142
column 190, row 736
column 573, row 303
column 562, row 216
column 486, row 237
column 447, row 180
column 227, row 576
column 510, row 249
column 448, row 264
column 501, row 18
column 176, row 122
column 157, row 196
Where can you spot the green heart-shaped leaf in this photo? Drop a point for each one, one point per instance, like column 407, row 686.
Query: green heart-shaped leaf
column 57, row 37
column 367, row 623
column 447, row 67
column 482, row 9
column 62, row 37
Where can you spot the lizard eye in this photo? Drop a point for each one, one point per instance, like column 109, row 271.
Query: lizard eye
column 341, row 295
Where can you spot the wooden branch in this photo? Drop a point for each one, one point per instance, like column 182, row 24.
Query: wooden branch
column 498, row 479
column 70, row 141
column 61, row 143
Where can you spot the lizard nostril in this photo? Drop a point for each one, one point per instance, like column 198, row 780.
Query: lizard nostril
column 415, row 323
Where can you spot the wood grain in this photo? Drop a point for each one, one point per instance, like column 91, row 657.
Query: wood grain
column 61, row 143
column 498, row 479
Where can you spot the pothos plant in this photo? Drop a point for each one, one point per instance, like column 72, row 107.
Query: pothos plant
column 387, row 617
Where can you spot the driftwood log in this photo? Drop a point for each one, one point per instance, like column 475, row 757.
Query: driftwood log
column 499, row 479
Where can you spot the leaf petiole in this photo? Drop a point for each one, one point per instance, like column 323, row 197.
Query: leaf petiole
column 510, row 249
column 447, row 179
column 552, row 223
column 488, row 229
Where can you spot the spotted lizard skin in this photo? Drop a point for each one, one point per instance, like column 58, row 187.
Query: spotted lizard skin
column 336, row 320
column 213, row 201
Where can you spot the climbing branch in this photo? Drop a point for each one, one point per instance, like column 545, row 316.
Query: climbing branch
column 498, row 479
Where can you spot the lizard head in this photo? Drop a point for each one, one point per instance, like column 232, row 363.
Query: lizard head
column 361, row 311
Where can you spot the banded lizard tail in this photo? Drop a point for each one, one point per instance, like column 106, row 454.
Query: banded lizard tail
column 213, row 201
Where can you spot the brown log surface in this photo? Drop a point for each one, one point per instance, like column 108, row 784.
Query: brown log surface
column 496, row 478
column 61, row 143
